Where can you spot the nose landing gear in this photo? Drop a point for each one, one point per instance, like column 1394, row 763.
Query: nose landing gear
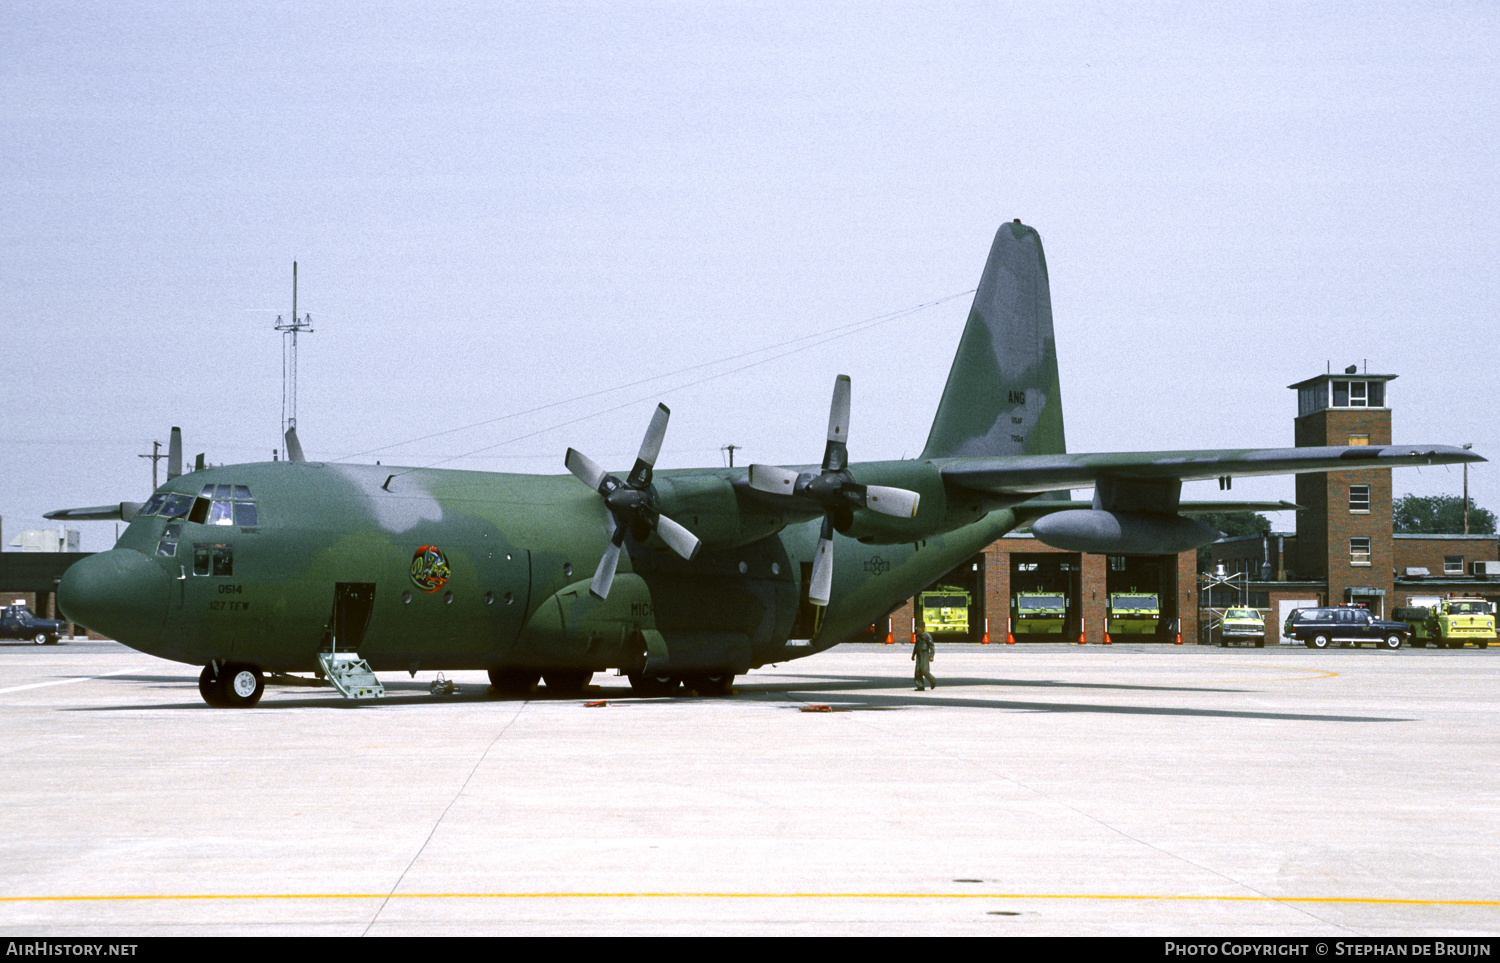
column 233, row 685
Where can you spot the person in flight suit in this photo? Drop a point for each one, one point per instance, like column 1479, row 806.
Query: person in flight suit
column 922, row 653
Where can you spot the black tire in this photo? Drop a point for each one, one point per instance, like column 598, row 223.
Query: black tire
column 40, row 638
column 568, row 682
column 1393, row 641
column 1419, row 643
column 242, row 685
column 514, row 682
column 211, row 688
column 710, row 684
column 1260, row 643
column 653, row 685
column 1319, row 641
column 1482, row 645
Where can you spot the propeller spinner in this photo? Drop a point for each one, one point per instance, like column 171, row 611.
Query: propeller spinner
column 631, row 504
column 834, row 489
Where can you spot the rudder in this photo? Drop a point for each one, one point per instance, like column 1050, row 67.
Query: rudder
column 1002, row 396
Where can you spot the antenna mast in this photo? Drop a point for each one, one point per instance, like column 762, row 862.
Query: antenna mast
column 289, row 332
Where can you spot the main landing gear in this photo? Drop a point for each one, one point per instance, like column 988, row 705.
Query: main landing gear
column 703, row 683
column 233, row 685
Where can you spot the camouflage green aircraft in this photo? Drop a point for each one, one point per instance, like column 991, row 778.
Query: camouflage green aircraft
column 692, row 577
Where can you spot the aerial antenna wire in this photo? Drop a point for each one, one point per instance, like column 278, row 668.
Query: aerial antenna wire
column 824, row 337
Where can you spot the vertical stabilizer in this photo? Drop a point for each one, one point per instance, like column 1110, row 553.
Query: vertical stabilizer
column 1002, row 396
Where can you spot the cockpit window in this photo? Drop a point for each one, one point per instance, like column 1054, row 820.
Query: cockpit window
column 215, row 505
column 167, row 547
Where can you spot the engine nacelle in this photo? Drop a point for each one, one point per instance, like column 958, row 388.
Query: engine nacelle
column 708, row 507
column 1121, row 533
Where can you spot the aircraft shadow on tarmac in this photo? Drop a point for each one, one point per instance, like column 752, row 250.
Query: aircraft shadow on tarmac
column 838, row 692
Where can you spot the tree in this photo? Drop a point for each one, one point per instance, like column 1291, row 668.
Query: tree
column 1440, row 515
column 1232, row 524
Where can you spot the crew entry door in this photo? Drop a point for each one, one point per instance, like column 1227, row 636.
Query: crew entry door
column 352, row 604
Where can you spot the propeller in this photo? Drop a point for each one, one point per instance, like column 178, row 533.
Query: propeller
column 631, row 504
column 833, row 489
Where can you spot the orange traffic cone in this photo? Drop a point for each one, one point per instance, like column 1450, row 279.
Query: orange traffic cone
column 1010, row 637
column 986, row 640
column 1106, row 633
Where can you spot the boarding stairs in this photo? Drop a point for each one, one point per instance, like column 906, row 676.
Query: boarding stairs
column 351, row 675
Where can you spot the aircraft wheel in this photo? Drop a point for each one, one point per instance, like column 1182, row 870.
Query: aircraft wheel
column 211, row 688
column 1319, row 641
column 567, row 681
column 652, row 685
column 514, row 682
column 242, row 685
column 1393, row 641
column 712, row 684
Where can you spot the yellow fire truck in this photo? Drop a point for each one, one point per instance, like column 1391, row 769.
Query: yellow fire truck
column 945, row 610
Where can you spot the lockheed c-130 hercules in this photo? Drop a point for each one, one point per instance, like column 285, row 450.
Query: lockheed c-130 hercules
column 673, row 577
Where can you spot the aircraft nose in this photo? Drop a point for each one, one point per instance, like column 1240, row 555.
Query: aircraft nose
column 119, row 593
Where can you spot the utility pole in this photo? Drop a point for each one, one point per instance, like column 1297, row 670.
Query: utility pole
column 730, row 449
column 289, row 332
column 1466, row 490
column 155, row 457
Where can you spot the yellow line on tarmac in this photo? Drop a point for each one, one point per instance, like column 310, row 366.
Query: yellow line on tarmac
column 713, row 895
column 1312, row 674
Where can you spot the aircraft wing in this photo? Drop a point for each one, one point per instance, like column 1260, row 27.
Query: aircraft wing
column 1020, row 474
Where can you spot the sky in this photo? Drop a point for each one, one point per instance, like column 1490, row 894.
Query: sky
column 520, row 226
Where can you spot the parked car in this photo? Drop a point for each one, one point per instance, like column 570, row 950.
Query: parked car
column 1345, row 625
column 17, row 622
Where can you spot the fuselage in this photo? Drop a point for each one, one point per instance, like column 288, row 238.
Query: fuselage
column 424, row 569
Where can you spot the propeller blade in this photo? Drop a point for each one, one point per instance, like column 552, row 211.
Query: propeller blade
column 640, row 475
column 770, row 478
column 124, row 512
column 293, row 446
column 174, row 454
column 655, row 432
column 836, row 453
column 604, row 575
column 838, row 412
column 820, row 584
column 679, row 539
column 584, row 469
column 892, row 501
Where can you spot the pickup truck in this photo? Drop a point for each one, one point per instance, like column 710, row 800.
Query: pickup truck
column 1346, row 625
